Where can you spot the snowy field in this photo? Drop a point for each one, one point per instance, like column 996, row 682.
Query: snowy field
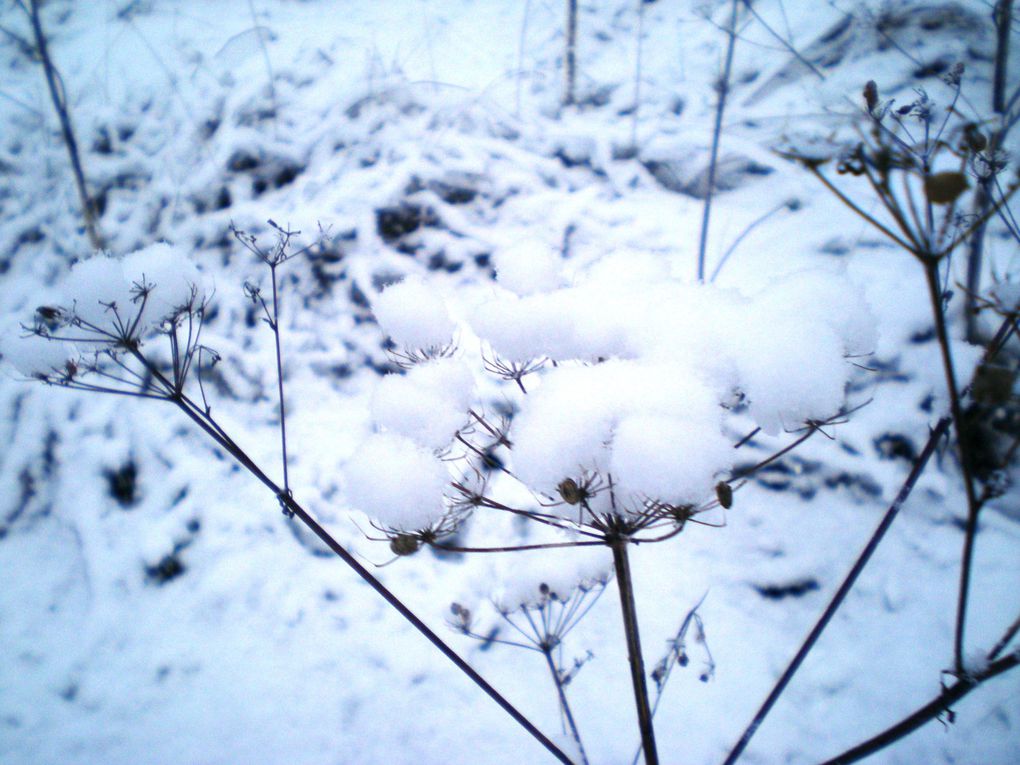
column 157, row 607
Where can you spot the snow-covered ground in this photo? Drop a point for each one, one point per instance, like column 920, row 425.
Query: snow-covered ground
column 156, row 607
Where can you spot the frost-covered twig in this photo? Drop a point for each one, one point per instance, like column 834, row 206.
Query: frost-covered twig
column 844, row 589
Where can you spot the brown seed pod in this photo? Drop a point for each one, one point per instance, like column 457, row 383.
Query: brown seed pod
column 973, row 138
column 945, row 188
column 724, row 493
column 871, row 95
column 571, row 493
column 404, row 544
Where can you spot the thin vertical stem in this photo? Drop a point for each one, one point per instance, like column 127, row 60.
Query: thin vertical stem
column 724, row 89
column 279, row 379
column 59, row 98
column 841, row 593
column 570, row 55
column 522, row 40
column 931, row 273
column 564, row 704
column 637, row 74
column 1003, row 20
column 621, row 563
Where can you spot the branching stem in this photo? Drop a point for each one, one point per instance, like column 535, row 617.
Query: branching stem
column 842, row 592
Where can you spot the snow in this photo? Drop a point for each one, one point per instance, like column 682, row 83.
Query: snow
column 413, row 316
column 523, row 235
column 429, row 404
column 396, row 482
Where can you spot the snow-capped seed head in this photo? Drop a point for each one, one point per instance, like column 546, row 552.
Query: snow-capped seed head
column 99, row 296
column 527, row 266
column 397, row 482
column 134, row 295
column 171, row 281
column 428, row 404
column 413, row 315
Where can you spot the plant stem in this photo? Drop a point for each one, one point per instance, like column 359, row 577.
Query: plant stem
column 724, row 89
column 1003, row 19
column 842, row 592
column 637, row 665
column 279, row 379
column 963, row 442
column 59, row 98
column 931, row 710
column 564, row 704
column 570, row 55
column 195, row 413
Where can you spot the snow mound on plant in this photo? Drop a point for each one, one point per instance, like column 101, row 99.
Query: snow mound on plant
column 149, row 285
column 428, row 404
column 633, row 408
column 397, row 482
column 655, row 428
column 413, row 315
column 527, row 266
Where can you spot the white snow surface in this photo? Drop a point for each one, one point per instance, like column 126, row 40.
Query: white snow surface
column 155, row 604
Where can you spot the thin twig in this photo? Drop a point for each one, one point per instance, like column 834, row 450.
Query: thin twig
column 930, row 711
column 59, row 98
column 783, row 41
column 570, row 66
column 195, row 413
column 564, row 704
column 724, row 89
column 842, row 592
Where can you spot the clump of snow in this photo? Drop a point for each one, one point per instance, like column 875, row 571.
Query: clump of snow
column 669, row 459
column 98, row 294
column 33, row 356
column 106, row 293
column 397, row 482
column 818, row 297
column 527, row 266
column 413, row 315
column 656, row 429
column 428, row 404
column 789, row 371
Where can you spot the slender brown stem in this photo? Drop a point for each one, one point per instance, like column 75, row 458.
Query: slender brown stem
column 1007, row 636
column 197, row 416
column 723, row 89
column 570, row 56
column 933, row 709
column 963, row 442
column 621, row 563
column 59, row 98
column 279, row 379
column 564, row 704
column 841, row 593
column 1003, row 20
column 857, row 210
